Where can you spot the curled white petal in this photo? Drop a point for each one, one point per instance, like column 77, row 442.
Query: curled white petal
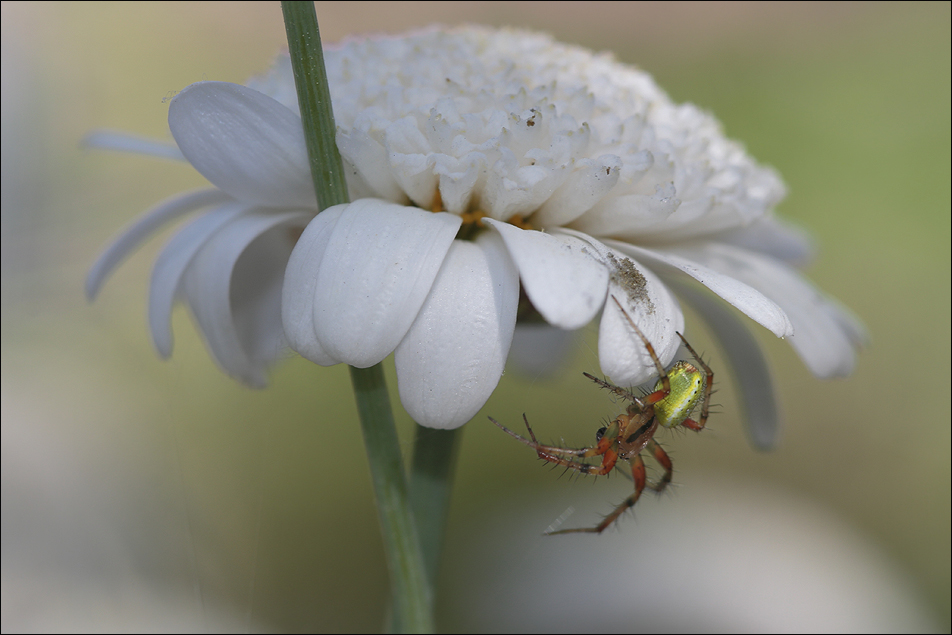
column 630, row 214
column 752, row 302
column 457, row 180
column 244, row 142
column 562, row 278
column 412, row 168
column 218, row 300
column 256, row 284
column 621, row 353
column 141, row 228
column 171, row 265
column 377, row 270
column 773, row 237
column 369, row 160
column 646, row 302
column 850, row 325
column 591, row 180
column 822, row 336
column 300, row 280
column 453, row 356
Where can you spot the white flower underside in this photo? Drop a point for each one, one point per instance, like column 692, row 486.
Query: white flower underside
column 628, row 189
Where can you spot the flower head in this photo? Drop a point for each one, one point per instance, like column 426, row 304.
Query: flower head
column 483, row 163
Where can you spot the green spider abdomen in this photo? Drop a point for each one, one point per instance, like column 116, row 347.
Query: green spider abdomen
column 687, row 384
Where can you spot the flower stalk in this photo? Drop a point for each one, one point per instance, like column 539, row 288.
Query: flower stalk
column 431, row 483
column 412, row 597
column 314, row 97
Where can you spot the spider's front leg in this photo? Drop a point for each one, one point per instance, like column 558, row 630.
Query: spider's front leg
column 665, row 385
column 606, row 448
column 639, row 476
column 618, row 390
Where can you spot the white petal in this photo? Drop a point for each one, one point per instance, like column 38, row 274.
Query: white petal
column 560, row 275
column 209, row 285
column 648, row 302
column 458, row 178
column 758, row 399
column 451, row 359
column 591, row 180
column 773, row 237
column 140, row 229
column 246, row 143
column 848, row 322
column 124, row 142
column 753, row 303
column 256, row 284
column 300, row 280
column 628, row 214
column 513, row 189
column 408, row 150
column 821, row 337
column 369, row 158
column 376, row 272
column 622, row 355
column 171, row 265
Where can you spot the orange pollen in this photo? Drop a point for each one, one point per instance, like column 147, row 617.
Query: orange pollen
column 519, row 222
column 475, row 217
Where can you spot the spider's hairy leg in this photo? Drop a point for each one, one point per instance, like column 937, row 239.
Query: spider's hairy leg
column 557, row 455
column 639, row 476
column 535, row 445
column 637, row 405
column 665, row 462
column 618, row 390
column 665, row 390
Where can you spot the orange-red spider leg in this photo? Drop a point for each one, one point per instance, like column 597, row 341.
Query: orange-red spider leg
column 621, row 392
column 609, row 459
column 665, row 462
column 551, row 453
column 553, row 449
column 657, row 395
column 535, row 445
column 697, row 426
column 639, row 475
column 604, row 448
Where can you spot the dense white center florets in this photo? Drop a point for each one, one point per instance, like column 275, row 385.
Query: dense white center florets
column 512, row 123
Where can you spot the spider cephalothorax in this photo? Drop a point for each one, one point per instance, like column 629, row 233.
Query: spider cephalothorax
column 676, row 395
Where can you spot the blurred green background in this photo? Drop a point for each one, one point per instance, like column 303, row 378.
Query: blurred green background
column 145, row 494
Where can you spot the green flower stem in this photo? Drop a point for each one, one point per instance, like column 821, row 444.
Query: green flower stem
column 314, row 97
column 412, row 595
column 431, row 483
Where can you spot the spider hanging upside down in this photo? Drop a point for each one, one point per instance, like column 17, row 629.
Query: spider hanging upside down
column 676, row 395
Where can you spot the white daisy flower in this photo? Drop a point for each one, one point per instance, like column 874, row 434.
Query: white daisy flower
column 482, row 163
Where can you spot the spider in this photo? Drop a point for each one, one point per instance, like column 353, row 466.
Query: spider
column 676, row 395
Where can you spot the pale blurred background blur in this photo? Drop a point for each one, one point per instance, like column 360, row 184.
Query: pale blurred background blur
column 148, row 495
